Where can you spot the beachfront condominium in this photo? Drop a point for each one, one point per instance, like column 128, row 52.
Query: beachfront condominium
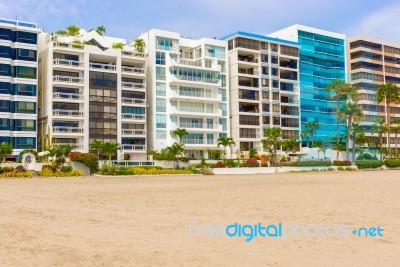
column 187, row 88
column 18, row 84
column 322, row 60
column 373, row 62
column 264, row 88
column 92, row 87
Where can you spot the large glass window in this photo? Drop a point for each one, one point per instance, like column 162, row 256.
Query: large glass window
column 25, row 142
column 161, row 105
column 215, row 51
column 25, row 125
column 26, row 37
column 160, row 73
column 25, row 107
column 160, row 89
column 133, row 110
column 160, row 58
column 161, row 134
column 5, row 70
column 161, row 121
column 25, row 72
column 25, row 54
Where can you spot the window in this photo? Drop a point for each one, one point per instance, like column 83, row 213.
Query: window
column 249, row 120
column 274, row 47
column 365, row 44
column 25, row 54
column 5, row 124
column 248, row 94
column 289, row 51
column 215, row 51
column 25, row 143
column 25, row 107
column 366, row 65
column 161, row 134
column 247, row 43
column 367, row 76
column 161, row 121
column 161, row 105
column 160, row 89
column 5, row 52
column 5, row 88
column 160, row 58
column 25, row 89
column 160, row 73
column 276, row 120
column 25, row 125
column 26, row 37
column 5, row 70
column 5, row 106
column 25, row 72
column 164, row 43
column 247, row 133
column 392, row 50
column 133, row 110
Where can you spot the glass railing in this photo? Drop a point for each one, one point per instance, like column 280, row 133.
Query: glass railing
column 66, row 62
column 67, row 113
column 196, row 79
column 130, row 85
column 103, row 66
column 62, row 129
column 126, row 100
column 133, row 116
column 133, row 132
column 134, row 147
column 67, row 79
column 68, row 96
column 132, row 70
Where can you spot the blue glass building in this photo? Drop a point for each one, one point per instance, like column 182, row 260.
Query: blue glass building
column 322, row 60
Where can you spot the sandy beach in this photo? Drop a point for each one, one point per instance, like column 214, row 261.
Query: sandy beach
column 143, row 221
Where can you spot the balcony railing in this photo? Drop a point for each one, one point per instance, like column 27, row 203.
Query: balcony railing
column 69, row 45
column 132, row 70
column 199, row 125
column 67, row 113
column 196, row 79
column 133, row 132
column 129, row 85
column 74, row 146
column 133, row 116
column 132, row 54
column 248, row 59
column 101, row 66
column 133, row 101
column 134, row 147
column 67, row 96
column 67, row 79
column 195, row 109
column 67, row 63
column 196, row 94
column 62, row 129
column 198, row 141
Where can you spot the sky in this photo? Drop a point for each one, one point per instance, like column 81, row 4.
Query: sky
column 210, row 18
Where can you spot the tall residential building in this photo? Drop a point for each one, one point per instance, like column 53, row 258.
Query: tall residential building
column 264, row 87
column 372, row 62
column 187, row 88
column 18, row 84
column 322, row 60
column 92, row 91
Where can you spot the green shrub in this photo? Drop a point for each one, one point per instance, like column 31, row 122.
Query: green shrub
column 219, row 164
column 349, row 169
column 66, row 169
column 252, row 162
column 90, row 160
column 315, row 163
column 288, row 164
column 340, row 168
column 330, row 169
column 366, row 156
column 392, row 163
column 49, row 173
column 366, row 164
column 142, row 171
column 341, row 163
column 206, row 170
column 18, row 172
column 230, row 163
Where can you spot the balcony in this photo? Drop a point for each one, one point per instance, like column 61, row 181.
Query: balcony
column 133, row 101
column 67, row 79
column 133, row 86
column 193, row 80
column 67, row 113
column 64, row 45
column 67, row 96
column 197, row 63
column 132, row 70
column 138, row 117
column 198, row 142
column 195, row 94
column 198, row 126
column 129, row 132
column 67, row 63
column 132, row 54
column 101, row 66
column 67, row 130
column 74, row 146
column 247, row 59
column 200, row 111
column 134, row 147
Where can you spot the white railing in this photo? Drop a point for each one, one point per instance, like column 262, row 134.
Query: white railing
column 74, row 146
column 133, row 132
column 195, row 109
column 198, row 141
column 103, row 66
column 62, row 129
column 133, row 101
column 126, row 163
column 129, row 85
column 66, row 62
column 134, row 147
column 67, row 113
column 198, row 125
column 196, row 79
column 69, row 45
column 67, row 79
column 132, row 54
column 132, row 70
column 69, row 96
column 195, row 94
column 133, row 116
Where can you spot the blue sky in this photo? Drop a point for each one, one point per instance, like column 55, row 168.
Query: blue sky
column 210, row 18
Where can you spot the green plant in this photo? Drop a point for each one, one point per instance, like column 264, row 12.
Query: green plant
column 349, row 169
column 392, row 163
column 66, row 169
column 310, row 127
column 341, row 163
column 252, row 162
column 139, row 45
column 110, row 149
column 206, row 170
column 33, row 151
column 273, row 139
column 49, row 173
column 101, row 30
column 366, row 164
column 252, row 152
column 18, row 172
column 388, row 93
column 225, row 141
column 289, row 164
column 118, row 45
column 97, row 145
column 366, row 156
column 5, row 149
column 340, row 168
column 230, row 163
column 88, row 159
column 180, row 133
column 314, row 163
column 76, row 44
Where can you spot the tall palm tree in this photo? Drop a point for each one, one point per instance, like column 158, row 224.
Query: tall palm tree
column 291, row 145
column 379, row 127
column 73, row 30
column 356, row 130
column 101, row 30
column 312, row 126
column 176, row 150
column 139, row 45
column 110, row 149
column 180, row 133
column 97, row 145
column 350, row 112
column 305, row 134
column 273, row 139
column 388, row 93
column 340, row 91
column 396, row 130
column 225, row 141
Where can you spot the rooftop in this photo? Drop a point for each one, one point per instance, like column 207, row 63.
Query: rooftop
column 259, row 36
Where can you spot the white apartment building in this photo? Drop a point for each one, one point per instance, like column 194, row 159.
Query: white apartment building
column 18, row 84
column 187, row 88
column 90, row 90
column 264, row 88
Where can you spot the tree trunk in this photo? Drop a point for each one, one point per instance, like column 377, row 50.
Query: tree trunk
column 388, row 140
column 275, row 157
column 380, row 144
column 397, row 141
column 348, row 139
column 308, row 142
column 337, row 130
column 354, row 147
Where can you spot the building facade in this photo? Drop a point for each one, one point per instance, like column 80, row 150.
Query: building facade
column 187, row 87
column 264, row 88
column 92, row 91
column 322, row 60
column 18, row 84
column 373, row 62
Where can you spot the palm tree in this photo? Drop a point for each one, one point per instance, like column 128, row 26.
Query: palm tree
column 110, row 149
column 272, row 142
column 176, row 150
column 73, row 30
column 139, row 45
column 396, row 130
column 350, row 112
column 225, row 141
column 101, row 30
column 388, row 93
column 97, row 145
column 340, row 91
column 356, row 130
column 291, row 145
column 180, row 133
column 5, row 149
column 379, row 127
column 311, row 127
column 305, row 134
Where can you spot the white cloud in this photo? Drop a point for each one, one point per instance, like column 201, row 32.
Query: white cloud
column 382, row 24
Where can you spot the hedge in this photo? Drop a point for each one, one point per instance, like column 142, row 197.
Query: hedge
column 314, row 163
column 392, row 163
column 90, row 160
column 341, row 163
column 367, row 164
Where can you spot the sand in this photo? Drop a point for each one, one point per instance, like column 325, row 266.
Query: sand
column 143, row 221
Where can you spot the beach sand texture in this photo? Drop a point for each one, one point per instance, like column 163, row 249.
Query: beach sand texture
column 143, row 221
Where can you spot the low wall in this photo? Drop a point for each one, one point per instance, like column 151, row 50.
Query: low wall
column 27, row 166
column 80, row 167
column 261, row 170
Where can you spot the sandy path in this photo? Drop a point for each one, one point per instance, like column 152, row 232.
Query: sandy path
column 143, row 221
